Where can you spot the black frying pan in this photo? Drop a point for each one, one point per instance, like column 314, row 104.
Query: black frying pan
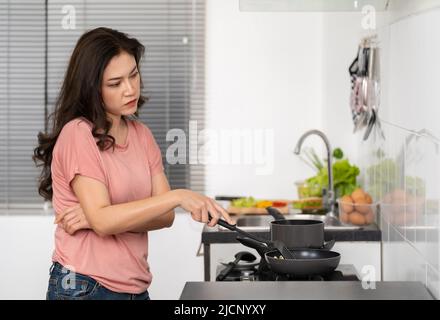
column 306, row 261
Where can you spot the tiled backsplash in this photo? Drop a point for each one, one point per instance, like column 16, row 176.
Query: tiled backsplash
column 402, row 172
column 403, row 175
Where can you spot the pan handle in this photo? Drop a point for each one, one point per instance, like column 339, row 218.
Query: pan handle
column 329, row 245
column 222, row 275
column 231, row 227
column 277, row 215
column 260, row 247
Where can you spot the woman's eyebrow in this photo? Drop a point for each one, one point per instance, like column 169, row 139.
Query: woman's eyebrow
column 117, row 78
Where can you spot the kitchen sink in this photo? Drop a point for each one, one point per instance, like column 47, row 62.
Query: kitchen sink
column 262, row 222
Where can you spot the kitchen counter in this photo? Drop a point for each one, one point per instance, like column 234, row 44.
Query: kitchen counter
column 307, row 290
column 368, row 233
column 218, row 235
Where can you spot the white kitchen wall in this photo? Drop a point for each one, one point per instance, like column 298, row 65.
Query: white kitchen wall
column 286, row 71
column 404, row 170
column 263, row 71
column 27, row 245
column 341, row 34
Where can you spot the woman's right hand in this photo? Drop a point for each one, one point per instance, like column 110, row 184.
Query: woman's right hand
column 72, row 219
column 201, row 207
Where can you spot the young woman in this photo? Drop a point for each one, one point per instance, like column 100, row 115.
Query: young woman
column 103, row 172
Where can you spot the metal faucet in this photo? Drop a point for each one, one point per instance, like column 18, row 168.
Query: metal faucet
column 329, row 195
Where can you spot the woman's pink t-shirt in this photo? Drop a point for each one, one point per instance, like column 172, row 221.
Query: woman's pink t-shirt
column 118, row 262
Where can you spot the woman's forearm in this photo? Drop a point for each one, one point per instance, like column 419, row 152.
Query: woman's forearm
column 164, row 221
column 136, row 215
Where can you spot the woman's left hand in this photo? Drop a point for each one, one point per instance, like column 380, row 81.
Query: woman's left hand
column 72, row 219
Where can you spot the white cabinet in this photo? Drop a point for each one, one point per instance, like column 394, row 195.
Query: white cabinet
column 365, row 256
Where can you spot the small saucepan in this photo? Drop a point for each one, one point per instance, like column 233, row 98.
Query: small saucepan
column 296, row 233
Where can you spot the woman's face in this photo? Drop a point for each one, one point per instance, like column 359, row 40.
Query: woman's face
column 121, row 85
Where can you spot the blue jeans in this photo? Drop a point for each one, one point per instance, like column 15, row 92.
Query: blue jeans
column 66, row 285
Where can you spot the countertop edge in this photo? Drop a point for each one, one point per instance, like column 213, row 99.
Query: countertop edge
column 309, row 290
column 214, row 235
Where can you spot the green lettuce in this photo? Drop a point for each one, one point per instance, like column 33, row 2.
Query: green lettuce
column 344, row 179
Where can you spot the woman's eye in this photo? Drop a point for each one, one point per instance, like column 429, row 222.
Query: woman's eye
column 113, row 85
column 134, row 74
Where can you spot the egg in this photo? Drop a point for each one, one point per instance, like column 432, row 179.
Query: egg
column 368, row 198
column 357, row 218
column 362, row 206
column 358, row 195
column 346, row 204
column 398, row 196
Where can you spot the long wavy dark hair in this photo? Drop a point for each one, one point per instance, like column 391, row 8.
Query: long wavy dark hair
column 80, row 95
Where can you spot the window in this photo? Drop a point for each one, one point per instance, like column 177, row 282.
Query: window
column 36, row 40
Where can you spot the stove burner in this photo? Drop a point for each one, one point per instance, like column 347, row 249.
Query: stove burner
column 242, row 275
column 261, row 272
column 243, row 265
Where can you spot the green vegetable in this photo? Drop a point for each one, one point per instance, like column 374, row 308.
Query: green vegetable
column 344, row 178
column 385, row 176
column 415, row 185
column 309, row 203
column 344, row 175
column 338, row 154
column 311, row 159
column 244, row 202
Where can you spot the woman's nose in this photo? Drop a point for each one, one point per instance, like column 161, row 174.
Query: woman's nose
column 129, row 88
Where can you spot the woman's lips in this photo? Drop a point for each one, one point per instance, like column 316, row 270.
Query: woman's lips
column 131, row 103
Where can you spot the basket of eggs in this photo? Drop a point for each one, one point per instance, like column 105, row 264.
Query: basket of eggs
column 357, row 208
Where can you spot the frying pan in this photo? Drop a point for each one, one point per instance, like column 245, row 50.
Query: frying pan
column 308, row 262
column 305, row 261
column 296, row 233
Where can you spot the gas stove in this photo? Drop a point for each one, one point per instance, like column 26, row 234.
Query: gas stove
column 260, row 272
